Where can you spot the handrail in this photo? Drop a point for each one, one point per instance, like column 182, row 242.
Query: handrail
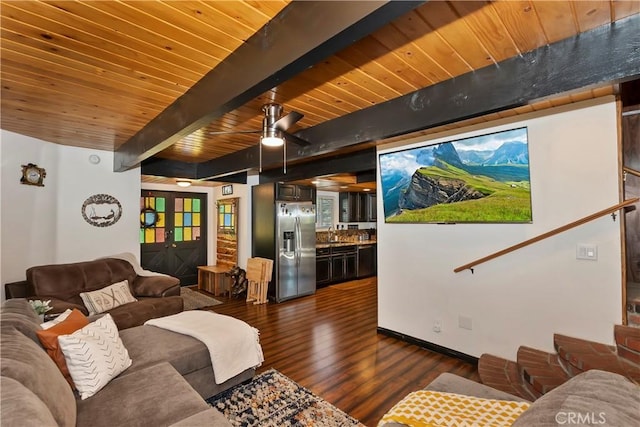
column 631, row 171
column 543, row 236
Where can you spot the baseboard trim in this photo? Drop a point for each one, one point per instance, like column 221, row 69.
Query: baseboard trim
column 429, row 346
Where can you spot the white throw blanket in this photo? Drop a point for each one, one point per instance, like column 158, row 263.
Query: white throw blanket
column 234, row 345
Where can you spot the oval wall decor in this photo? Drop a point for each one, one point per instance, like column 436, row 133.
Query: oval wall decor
column 101, row 210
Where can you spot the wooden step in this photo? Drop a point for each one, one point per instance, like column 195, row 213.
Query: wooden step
column 504, row 375
column 628, row 342
column 540, row 369
column 583, row 355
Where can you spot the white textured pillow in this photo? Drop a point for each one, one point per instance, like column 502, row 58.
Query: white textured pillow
column 107, row 298
column 95, row 355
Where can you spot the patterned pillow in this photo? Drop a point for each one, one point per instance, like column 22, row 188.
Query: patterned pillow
column 95, row 355
column 107, row 298
column 49, row 339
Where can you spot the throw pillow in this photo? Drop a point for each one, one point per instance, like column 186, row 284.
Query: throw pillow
column 49, row 339
column 62, row 316
column 95, row 355
column 107, row 298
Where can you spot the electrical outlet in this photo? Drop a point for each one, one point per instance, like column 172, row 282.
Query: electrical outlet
column 437, row 326
column 465, row 322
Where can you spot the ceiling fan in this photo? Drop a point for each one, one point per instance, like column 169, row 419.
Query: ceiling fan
column 274, row 130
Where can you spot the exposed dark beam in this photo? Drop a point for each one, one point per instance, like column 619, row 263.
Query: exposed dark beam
column 367, row 176
column 301, row 35
column 608, row 54
column 364, row 160
column 169, row 168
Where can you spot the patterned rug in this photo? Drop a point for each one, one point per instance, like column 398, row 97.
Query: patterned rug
column 274, row 400
column 194, row 299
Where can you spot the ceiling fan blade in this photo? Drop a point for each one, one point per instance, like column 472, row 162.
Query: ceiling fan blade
column 296, row 140
column 229, row 132
column 285, row 122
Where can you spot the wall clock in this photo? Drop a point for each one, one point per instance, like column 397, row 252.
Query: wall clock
column 33, row 175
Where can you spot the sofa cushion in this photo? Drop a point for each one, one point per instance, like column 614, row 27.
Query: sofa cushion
column 155, row 396
column 49, row 339
column 591, row 398
column 18, row 314
column 148, row 345
column 66, row 281
column 107, row 298
column 26, row 362
column 136, row 313
column 20, row 407
column 94, row 355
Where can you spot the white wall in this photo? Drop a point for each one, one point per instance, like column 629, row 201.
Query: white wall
column 44, row 225
column 526, row 296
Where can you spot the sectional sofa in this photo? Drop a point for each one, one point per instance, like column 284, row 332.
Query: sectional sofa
column 166, row 384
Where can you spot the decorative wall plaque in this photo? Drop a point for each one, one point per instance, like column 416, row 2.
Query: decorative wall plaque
column 101, row 210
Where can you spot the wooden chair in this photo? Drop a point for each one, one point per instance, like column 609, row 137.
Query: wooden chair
column 258, row 275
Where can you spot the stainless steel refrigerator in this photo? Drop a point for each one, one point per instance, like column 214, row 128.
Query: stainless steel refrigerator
column 295, row 250
column 284, row 231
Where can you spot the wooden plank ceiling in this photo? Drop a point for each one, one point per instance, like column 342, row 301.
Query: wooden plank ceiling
column 93, row 73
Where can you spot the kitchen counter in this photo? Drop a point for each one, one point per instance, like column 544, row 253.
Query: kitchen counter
column 339, row 244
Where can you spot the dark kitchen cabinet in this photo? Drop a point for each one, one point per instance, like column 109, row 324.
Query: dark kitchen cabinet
column 293, row 192
column 357, row 207
column 336, row 264
column 372, row 208
column 367, row 265
column 323, row 266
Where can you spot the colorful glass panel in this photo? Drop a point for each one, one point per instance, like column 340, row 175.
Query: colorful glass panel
column 179, row 205
column 196, row 220
column 187, row 234
column 196, row 233
column 177, row 234
column 160, row 204
column 160, row 222
column 142, row 235
column 149, row 235
column 187, row 205
column 159, row 235
column 187, row 219
column 177, row 219
column 196, row 205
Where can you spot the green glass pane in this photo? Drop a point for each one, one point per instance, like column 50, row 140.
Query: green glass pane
column 196, row 205
column 142, row 235
column 160, row 204
column 221, row 208
column 177, row 234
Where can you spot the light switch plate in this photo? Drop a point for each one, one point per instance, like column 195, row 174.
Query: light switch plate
column 587, row 251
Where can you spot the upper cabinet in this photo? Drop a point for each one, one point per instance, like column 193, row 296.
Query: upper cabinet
column 357, row 207
column 294, row 192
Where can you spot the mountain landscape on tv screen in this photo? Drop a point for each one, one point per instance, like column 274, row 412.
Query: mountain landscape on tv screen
column 479, row 179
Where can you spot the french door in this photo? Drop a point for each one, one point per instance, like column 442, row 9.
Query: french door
column 173, row 233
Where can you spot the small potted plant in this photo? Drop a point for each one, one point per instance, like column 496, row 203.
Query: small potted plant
column 41, row 307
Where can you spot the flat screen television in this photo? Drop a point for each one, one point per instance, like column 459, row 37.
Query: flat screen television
column 481, row 179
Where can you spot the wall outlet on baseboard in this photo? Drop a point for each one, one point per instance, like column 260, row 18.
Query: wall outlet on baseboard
column 437, row 326
column 465, row 322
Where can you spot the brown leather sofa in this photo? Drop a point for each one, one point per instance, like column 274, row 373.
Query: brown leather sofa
column 62, row 284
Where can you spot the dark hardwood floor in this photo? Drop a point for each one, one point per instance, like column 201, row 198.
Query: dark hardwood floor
column 328, row 343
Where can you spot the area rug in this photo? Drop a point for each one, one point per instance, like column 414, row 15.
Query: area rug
column 274, row 400
column 194, row 300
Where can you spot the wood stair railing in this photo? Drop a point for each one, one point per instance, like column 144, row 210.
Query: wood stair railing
column 537, row 372
column 546, row 235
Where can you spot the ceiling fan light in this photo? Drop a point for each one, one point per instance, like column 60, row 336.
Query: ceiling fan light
column 272, row 141
column 183, row 183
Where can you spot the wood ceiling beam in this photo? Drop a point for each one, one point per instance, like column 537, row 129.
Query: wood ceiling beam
column 301, row 35
column 608, row 54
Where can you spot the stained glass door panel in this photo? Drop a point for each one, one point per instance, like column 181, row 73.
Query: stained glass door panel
column 173, row 238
